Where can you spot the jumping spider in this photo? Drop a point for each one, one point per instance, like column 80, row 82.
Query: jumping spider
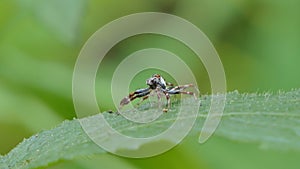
column 157, row 83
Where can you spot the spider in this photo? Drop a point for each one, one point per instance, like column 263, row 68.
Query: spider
column 157, row 83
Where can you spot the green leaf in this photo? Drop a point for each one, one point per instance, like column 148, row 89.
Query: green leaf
column 269, row 120
column 2, row 163
column 63, row 142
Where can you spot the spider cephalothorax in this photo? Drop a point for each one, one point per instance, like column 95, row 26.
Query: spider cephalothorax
column 157, row 82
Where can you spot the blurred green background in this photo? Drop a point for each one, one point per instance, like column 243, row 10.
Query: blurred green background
column 258, row 43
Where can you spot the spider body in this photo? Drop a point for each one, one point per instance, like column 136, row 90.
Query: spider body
column 157, row 83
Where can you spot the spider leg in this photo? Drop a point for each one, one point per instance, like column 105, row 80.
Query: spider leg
column 169, row 84
column 179, row 90
column 168, row 102
column 136, row 94
column 182, row 87
column 143, row 98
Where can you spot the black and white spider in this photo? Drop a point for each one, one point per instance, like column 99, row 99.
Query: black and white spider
column 157, row 83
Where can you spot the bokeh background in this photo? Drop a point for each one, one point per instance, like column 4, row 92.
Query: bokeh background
column 258, row 43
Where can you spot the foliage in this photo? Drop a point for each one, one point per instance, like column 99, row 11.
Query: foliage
column 270, row 120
